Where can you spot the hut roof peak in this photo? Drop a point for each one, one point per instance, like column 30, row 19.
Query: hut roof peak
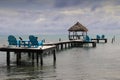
column 78, row 27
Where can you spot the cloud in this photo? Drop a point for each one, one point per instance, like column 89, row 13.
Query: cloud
column 56, row 16
column 92, row 4
column 26, row 4
column 67, row 3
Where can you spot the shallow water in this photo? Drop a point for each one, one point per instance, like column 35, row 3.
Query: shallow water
column 100, row 63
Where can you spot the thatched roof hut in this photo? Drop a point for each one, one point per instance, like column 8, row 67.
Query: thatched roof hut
column 77, row 28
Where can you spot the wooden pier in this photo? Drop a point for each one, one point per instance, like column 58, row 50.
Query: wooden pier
column 72, row 43
column 32, row 51
column 98, row 40
column 48, row 47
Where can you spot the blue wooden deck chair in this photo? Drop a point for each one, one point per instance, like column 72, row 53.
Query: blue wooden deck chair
column 87, row 38
column 103, row 37
column 97, row 37
column 12, row 40
column 34, row 42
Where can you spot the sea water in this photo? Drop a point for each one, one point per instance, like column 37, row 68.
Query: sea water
column 82, row 63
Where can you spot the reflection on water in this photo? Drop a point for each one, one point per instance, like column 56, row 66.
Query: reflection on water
column 100, row 63
column 27, row 72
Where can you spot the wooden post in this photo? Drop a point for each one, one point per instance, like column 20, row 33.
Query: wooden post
column 73, row 35
column 37, row 57
column 18, row 58
column 41, row 59
column 94, row 44
column 54, row 56
column 57, row 47
column 32, row 58
column 105, row 40
column 68, row 45
column 61, row 46
column 71, row 44
column 29, row 54
column 8, row 58
column 69, row 35
column 97, row 40
column 65, row 45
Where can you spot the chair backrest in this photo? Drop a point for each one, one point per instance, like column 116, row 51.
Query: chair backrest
column 12, row 40
column 103, row 36
column 33, row 40
column 97, row 36
column 87, row 38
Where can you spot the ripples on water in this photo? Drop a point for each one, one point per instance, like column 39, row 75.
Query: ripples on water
column 100, row 63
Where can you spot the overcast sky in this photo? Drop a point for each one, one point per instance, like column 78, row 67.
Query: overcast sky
column 57, row 16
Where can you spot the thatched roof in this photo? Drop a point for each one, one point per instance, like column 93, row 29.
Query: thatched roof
column 78, row 27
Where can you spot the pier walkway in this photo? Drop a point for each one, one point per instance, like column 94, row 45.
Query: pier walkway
column 38, row 52
column 98, row 40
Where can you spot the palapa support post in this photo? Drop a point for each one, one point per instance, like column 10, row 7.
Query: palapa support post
column 8, row 58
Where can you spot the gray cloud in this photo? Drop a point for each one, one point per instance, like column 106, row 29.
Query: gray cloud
column 56, row 16
column 92, row 4
column 67, row 3
column 26, row 4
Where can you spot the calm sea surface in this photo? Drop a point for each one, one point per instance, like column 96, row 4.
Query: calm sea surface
column 100, row 63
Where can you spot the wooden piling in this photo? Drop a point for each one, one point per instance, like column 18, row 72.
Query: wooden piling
column 54, row 56
column 94, row 44
column 32, row 58
column 41, row 59
column 8, row 58
column 37, row 58
column 105, row 40
column 18, row 58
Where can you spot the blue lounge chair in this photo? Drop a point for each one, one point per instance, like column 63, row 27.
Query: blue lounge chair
column 87, row 38
column 34, row 42
column 103, row 37
column 12, row 40
column 97, row 36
